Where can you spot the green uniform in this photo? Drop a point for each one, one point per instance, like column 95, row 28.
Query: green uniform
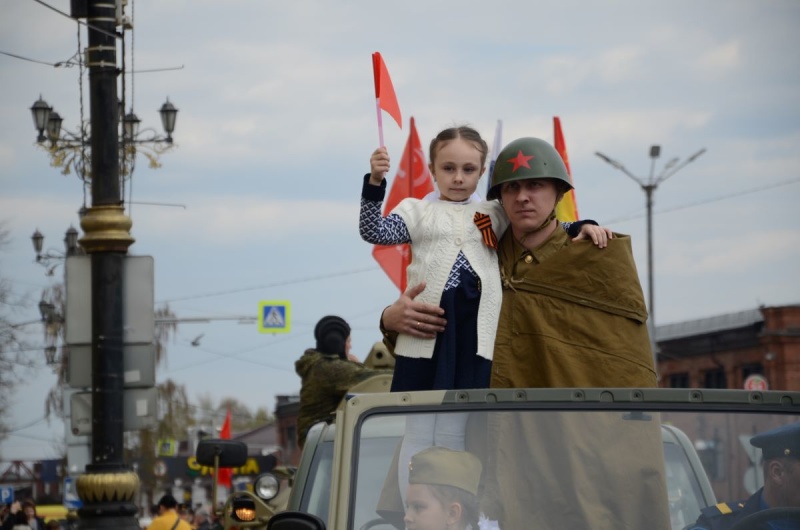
column 325, row 381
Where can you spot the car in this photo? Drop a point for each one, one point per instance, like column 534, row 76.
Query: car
column 588, row 458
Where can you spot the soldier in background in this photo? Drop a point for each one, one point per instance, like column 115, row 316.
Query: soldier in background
column 781, row 459
column 327, row 372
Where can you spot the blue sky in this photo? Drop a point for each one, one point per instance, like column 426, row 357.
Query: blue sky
column 277, row 121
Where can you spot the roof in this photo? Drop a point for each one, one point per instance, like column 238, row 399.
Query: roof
column 714, row 324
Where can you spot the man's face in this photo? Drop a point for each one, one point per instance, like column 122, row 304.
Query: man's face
column 791, row 483
column 528, row 202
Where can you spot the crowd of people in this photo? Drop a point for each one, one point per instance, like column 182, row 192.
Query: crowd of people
column 21, row 515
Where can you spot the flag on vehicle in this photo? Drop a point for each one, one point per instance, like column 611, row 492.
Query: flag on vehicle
column 224, row 474
column 413, row 179
column 567, row 209
column 385, row 97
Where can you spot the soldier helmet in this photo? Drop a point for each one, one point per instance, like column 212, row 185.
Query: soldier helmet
column 528, row 158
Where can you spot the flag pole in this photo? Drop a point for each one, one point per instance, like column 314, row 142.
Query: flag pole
column 380, row 121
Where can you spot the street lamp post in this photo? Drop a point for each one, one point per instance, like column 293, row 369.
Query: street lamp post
column 102, row 155
column 649, row 187
column 70, row 150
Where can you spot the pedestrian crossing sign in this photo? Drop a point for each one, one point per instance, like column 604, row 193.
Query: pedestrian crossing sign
column 274, row 316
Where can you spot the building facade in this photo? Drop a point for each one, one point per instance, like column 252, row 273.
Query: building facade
column 758, row 349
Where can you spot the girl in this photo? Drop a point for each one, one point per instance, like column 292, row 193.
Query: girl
column 451, row 254
column 443, row 491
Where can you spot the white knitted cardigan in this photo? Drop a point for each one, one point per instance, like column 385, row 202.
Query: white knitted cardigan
column 439, row 230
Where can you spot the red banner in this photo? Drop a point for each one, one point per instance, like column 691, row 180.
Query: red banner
column 413, row 179
column 224, row 475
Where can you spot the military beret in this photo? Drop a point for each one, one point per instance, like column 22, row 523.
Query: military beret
column 781, row 441
column 445, row 467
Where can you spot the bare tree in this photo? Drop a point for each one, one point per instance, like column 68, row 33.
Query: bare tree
column 13, row 349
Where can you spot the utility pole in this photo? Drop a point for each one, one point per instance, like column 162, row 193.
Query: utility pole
column 108, row 487
column 649, row 187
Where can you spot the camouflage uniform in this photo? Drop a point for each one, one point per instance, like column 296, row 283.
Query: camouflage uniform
column 325, row 381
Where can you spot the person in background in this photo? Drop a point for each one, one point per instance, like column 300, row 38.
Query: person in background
column 23, row 514
column 780, row 449
column 186, row 513
column 201, row 520
column 168, row 518
column 326, row 373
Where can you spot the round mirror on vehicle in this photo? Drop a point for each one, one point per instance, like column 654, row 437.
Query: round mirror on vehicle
column 266, row 486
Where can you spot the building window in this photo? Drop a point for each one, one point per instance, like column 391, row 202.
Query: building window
column 716, row 379
column 679, row 380
column 750, row 369
column 291, row 436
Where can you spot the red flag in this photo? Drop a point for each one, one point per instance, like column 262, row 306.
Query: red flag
column 385, row 97
column 567, row 209
column 224, row 474
column 413, row 179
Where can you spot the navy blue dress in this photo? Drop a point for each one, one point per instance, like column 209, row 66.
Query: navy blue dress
column 455, row 363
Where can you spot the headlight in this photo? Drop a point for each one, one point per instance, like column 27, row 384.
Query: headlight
column 244, row 509
column 266, row 486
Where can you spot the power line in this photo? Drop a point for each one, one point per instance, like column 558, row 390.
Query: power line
column 62, row 13
column 274, row 284
column 33, row 60
column 706, row 201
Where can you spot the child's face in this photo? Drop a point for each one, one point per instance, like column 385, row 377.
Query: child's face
column 425, row 512
column 456, row 169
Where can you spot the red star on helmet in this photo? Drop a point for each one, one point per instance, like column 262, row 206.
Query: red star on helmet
column 520, row 161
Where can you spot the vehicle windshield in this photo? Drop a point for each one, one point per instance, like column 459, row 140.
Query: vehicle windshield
column 636, row 468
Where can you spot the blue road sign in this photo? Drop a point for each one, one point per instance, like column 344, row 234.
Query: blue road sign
column 71, row 499
column 6, row 494
column 274, row 316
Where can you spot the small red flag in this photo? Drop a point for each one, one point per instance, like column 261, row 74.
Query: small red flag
column 224, row 474
column 413, row 179
column 384, row 90
column 567, row 209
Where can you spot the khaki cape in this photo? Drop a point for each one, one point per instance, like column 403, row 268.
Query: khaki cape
column 573, row 315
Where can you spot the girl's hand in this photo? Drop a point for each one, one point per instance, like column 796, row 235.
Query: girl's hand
column 379, row 165
column 598, row 234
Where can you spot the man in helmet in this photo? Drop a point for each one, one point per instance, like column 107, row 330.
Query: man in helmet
column 572, row 315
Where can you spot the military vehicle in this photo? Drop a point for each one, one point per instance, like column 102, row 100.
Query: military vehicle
column 552, row 458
